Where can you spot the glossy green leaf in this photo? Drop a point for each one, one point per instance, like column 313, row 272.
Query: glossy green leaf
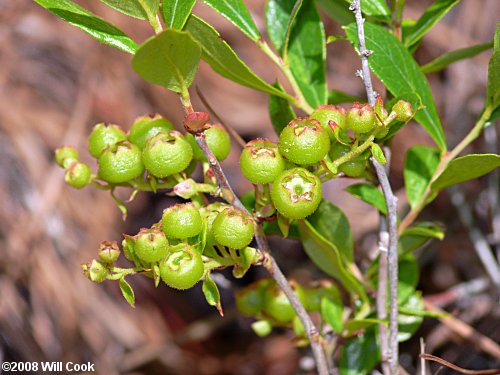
column 277, row 16
column 236, row 12
column 493, row 90
column 369, row 194
column 450, row 57
column 142, row 9
column 408, row 275
column 437, row 10
column 398, row 71
column 307, row 53
column 409, row 323
column 222, row 58
column 418, row 235
column 332, row 224
column 175, row 13
column 378, row 154
column 360, row 354
column 331, row 313
column 466, row 168
column 280, row 111
column 377, row 9
column 420, row 164
column 169, row 59
column 211, row 293
column 359, row 324
column 90, row 23
column 127, row 291
column 339, row 97
column 337, row 10
column 328, row 259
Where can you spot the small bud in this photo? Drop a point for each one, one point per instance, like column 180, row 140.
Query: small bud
column 95, row 271
column 196, row 122
column 109, row 251
column 186, row 189
column 78, row 175
column 403, row 111
column 360, row 118
column 65, row 156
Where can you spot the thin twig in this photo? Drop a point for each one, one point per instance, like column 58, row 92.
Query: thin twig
column 431, row 357
column 269, row 262
column 363, row 52
column 392, row 262
column 423, row 365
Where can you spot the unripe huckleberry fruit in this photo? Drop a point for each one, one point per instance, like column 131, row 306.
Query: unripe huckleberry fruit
column 352, row 168
column 166, row 154
column 78, row 175
column 103, row 136
column 182, row 269
column 360, row 118
column 261, row 162
column 403, row 110
column 304, row 141
column 250, row 300
column 65, row 156
column 151, row 245
column 277, row 305
column 147, row 127
column 296, row 193
column 120, row 163
column 326, row 113
column 233, row 228
column 109, row 251
column 95, row 271
column 218, row 141
column 182, row 221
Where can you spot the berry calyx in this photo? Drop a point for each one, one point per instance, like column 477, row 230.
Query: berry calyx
column 218, row 141
column 296, row 193
column 233, row 228
column 261, row 162
column 151, row 245
column 109, row 251
column 65, row 156
column 147, row 127
column 182, row 221
column 304, row 141
column 120, row 163
column 360, row 118
column 103, row 136
column 352, row 168
column 326, row 113
column 78, row 174
column 166, row 154
column 182, row 268
column 403, row 110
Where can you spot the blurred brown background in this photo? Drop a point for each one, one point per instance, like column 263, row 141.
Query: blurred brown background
column 56, row 82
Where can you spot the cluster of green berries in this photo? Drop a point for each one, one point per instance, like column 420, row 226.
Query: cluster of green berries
column 152, row 146
column 309, row 145
column 266, row 302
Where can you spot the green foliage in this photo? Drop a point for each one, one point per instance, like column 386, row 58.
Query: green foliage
column 331, row 313
column 236, row 12
column 431, row 16
column 339, row 97
column 211, row 293
column 420, row 164
column 396, row 68
column 493, row 90
column 466, row 168
column 127, row 292
column 142, row 9
column 359, row 354
column 102, row 30
column 369, row 194
column 175, row 13
column 280, row 110
column 169, row 59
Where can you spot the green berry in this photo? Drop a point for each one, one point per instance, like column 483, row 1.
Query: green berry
column 182, row 221
column 218, row 141
column 95, row 271
column 276, row 303
column 352, row 168
column 403, row 110
column 250, row 300
column 103, row 136
column 166, row 154
column 304, row 141
column 360, row 118
column 315, row 295
column 78, row 174
column 109, row 251
column 182, row 269
column 233, row 228
column 147, row 127
column 261, row 162
column 151, row 245
column 326, row 113
column 65, row 156
column 209, row 213
column 296, row 193
column 120, row 163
